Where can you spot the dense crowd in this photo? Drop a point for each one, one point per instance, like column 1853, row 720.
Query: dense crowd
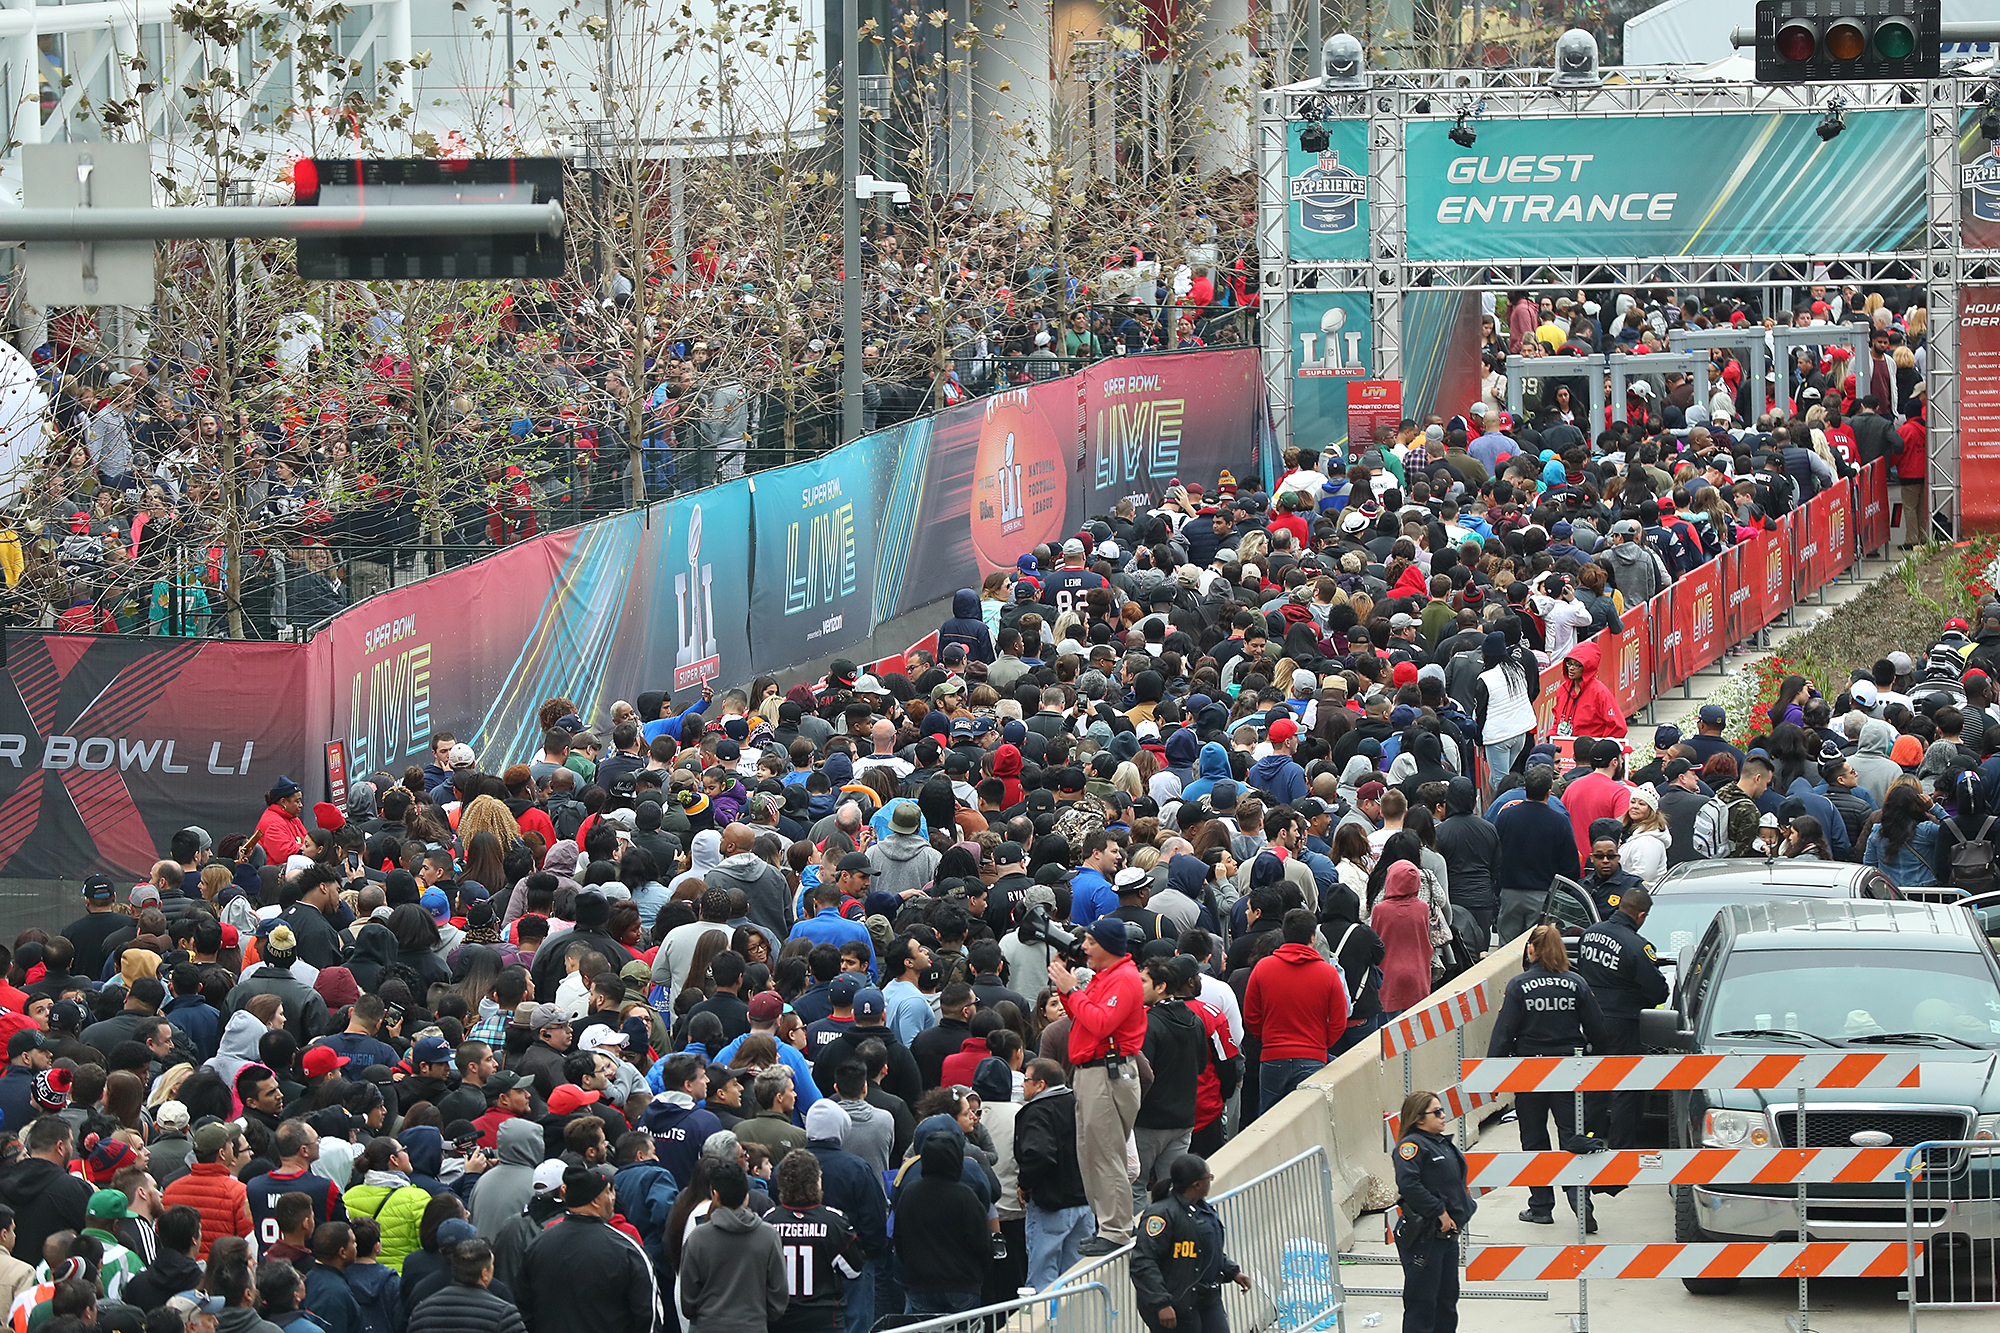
column 892, row 993
column 123, row 523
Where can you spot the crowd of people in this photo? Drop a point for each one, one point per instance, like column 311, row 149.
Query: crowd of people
column 892, row 993
column 124, row 522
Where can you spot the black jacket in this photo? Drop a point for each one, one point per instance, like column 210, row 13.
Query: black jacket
column 456, row 1309
column 1621, row 971
column 319, row 942
column 1174, row 1039
column 45, row 1199
column 1176, row 1249
column 1547, row 1013
column 168, row 1275
column 933, row 1046
column 1470, row 847
column 584, row 1273
column 1045, row 1150
column 1607, row 891
column 1430, row 1179
column 901, row 1078
column 941, row 1234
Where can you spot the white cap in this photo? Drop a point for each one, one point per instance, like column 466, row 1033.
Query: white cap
column 602, row 1037
column 548, row 1176
column 1072, row 547
column 1042, row 338
column 461, row 754
column 1108, row 550
column 867, row 684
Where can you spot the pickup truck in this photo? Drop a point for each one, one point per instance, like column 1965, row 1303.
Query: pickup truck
column 1854, row 974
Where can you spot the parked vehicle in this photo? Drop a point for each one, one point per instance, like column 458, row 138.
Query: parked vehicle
column 1844, row 974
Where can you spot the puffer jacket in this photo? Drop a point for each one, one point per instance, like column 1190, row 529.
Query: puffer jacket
column 219, row 1197
column 967, row 626
column 400, row 1210
column 459, row 1309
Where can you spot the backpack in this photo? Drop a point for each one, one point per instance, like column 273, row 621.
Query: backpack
column 1972, row 860
column 1740, row 819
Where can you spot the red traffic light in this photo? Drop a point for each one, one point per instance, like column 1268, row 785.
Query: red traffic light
column 305, row 181
column 1797, row 41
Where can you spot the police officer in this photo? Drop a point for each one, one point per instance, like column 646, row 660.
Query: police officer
column 1548, row 1010
column 1178, row 1266
column 1605, row 879
column 1432, row 1193
column 1624, row 976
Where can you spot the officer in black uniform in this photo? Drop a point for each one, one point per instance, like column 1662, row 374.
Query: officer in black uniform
column 1547, row 1010
column 1178, row 1266
column 1624, row 976
column 1605, row 878
column 1430, row 1183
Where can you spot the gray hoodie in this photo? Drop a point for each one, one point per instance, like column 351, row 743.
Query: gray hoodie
column 732, row 1275
column 902, row 861
column 763, row 885
column 1871, row 761
column 1633, row 570
column 871, row 1135
column 503, row 1192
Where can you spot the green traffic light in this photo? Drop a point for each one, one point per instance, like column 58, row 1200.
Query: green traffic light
column 1894, row 40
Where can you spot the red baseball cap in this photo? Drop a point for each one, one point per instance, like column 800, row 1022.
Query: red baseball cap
column 1283, row 729
column 569, row 1098
column 321, row 1060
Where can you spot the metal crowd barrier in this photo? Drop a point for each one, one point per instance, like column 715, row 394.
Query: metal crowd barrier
column 1082, row 1309
column 1279, row 1228
column 1951, row 1217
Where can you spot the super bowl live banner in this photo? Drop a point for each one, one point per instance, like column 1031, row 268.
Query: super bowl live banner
column 1329, row 192
column 1763, row 184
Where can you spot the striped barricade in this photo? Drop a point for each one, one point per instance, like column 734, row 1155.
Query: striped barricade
column 1418, row 1026
column 1676, row 1073
column 1687, row 1166
column 1561, row 1263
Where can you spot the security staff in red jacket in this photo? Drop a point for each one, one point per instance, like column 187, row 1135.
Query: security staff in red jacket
column 1107, row 1031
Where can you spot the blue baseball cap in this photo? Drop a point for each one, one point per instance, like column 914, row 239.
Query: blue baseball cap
column 868, row 1003
column 843, row 988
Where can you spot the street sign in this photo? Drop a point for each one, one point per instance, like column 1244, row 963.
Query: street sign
column 87, row 176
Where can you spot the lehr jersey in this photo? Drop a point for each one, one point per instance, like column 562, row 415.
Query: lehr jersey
column 1068, row 589
column 821, row 1252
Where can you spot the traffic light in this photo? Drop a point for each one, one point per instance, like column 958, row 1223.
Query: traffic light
column 468, row 255
column 1845, row 41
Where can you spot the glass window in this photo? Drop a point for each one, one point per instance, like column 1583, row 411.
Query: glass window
column 1844, row 994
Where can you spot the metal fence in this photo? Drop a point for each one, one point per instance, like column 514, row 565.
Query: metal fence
column 1280, row 1230
column 1084, row 1309
column 1951, row 1208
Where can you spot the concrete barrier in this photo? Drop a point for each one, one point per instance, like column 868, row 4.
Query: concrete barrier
column 1341, row 1106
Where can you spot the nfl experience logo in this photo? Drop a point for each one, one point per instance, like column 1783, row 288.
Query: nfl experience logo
column 1329, row 196
column 1982, row 178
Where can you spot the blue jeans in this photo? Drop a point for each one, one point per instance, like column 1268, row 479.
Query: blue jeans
column 858, row 1304
column 1053, row 1237
column 1276, row 1078
column 941, row 1302
column 1500, row 757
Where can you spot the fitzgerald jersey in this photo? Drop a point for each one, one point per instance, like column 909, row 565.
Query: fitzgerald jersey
column 821, row 1253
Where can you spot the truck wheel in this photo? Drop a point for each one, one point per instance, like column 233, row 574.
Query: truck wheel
column 1687, row 1231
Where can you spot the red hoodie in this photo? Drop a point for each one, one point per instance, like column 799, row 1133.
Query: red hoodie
column 1587, row 704
column 1296, row 1004
column 1404, row 924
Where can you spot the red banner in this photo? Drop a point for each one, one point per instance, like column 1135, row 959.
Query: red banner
column 1873, row 486
column 1626, row 663
column 1771, row 573
column 1835, row 521
column 1978, row 325
column 1740, row 600
column 894, row 665
column 1696, row 621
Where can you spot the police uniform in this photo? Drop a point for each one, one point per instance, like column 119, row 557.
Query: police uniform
column 1430, row 1182
column 1623, row 975
column 1177, row 1260
column 1607, row 891
column 1546, row 1013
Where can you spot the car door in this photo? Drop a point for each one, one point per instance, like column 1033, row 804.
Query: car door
column 1569, row 907
column 1985, row 909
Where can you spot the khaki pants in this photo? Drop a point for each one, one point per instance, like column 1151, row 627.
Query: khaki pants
column 1105, row 1110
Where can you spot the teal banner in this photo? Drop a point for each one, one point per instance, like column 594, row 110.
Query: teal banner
column 1333, row 346
column 1329, row 193
column 1666, row 185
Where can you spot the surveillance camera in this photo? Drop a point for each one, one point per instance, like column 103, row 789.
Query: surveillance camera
column 1341, row 63
column 900, row 197
column 1576, row 61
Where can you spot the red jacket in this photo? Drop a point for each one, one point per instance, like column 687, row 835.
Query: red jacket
column 1111, row 1009
column 1404, row 924
column 219, row 1197
column 1221, row 1050
column 1296, row 1003
column 1910, row 462
column 958, row 1066
column 1587, row 704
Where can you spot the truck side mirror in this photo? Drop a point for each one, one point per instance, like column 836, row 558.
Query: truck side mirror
column 1660, row 1029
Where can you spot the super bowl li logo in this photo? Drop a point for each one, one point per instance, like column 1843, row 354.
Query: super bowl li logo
column 1704, row 614
column 1329, row 196
column 696, row 658
column 1774, row 569
column 1628, row 663
column 1982, row 178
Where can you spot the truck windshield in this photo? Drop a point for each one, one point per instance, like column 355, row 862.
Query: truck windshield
column 1854, row 994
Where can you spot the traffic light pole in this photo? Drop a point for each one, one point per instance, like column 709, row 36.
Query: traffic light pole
column 233, row 222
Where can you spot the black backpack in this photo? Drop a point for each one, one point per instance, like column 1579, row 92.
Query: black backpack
column 1972, row 859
